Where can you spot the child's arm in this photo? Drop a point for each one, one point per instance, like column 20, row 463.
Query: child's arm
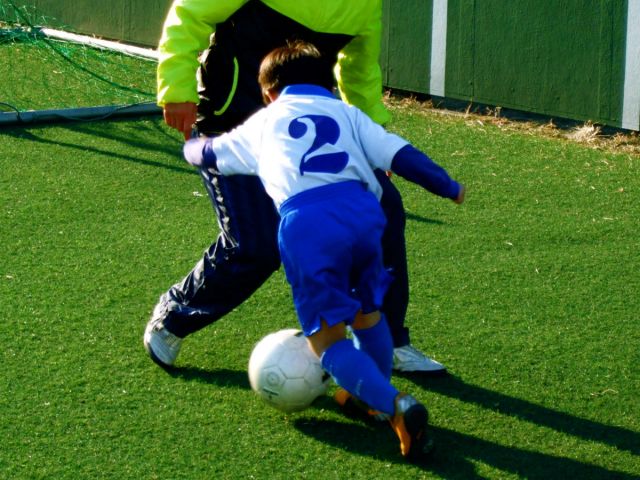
column 232, row 153
column 224, row 155
column 415, row 166
column 198, row 152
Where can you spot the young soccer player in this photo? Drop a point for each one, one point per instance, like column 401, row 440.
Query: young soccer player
column 316, row 157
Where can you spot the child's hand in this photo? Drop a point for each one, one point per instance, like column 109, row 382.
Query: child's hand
column 460, row 198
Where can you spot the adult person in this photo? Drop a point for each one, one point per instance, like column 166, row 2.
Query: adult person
column 234, row 36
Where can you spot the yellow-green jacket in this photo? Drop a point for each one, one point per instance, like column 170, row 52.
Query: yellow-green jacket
column 190, row 23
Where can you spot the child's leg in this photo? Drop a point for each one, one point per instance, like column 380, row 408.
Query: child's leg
column 372, row 336
column 353, row 369
column 356, row 372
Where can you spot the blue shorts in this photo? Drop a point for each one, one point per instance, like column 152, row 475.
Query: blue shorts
column 330, row 241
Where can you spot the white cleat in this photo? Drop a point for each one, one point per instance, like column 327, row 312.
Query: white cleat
column 410, row 359
column 161, row 345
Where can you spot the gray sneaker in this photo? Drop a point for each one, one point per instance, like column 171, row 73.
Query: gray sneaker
column 410, row 359
column 161, row 345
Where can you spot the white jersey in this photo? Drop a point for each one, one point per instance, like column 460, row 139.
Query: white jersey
column 307, row 138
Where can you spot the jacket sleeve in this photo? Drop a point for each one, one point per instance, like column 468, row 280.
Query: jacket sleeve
column 359, row 75
column 186, row 32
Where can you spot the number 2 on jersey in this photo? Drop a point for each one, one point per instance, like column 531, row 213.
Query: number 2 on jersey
column 327, row 132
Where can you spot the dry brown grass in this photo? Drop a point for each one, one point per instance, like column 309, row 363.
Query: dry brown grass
column 587, row 134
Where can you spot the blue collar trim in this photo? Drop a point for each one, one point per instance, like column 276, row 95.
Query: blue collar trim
column 307, row 89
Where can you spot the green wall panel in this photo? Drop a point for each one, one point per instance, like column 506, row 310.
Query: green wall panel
column 460, row 50
column 562, row 58
column 547, row 57
column 137, row 22
column 406, row 45
column 153, row 13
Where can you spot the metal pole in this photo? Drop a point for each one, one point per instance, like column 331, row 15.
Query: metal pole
column 77, row 114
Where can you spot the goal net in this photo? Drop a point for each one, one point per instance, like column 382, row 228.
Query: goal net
column 50, row 73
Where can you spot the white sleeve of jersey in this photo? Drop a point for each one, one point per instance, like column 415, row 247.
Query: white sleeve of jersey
column 379, row 145
column 237, row 151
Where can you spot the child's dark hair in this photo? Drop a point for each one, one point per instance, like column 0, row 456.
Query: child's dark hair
column 295, row 63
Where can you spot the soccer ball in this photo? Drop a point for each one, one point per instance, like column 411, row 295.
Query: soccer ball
column 285, row 372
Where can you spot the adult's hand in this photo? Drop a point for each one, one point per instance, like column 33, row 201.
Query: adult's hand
column 181, row 116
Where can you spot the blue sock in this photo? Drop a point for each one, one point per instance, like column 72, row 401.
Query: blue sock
column 358, row 374
column 378, row 344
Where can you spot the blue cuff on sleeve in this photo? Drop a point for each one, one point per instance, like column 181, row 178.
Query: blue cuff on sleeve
column 415, row 166
column 199, row 152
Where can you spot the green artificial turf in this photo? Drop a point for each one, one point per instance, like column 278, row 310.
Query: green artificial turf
column 39, row 74
column 528, row 293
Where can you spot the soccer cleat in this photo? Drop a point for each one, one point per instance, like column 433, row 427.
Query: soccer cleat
column 410, row 424
column 410, row 359
column 161, row 345
column 353, row 407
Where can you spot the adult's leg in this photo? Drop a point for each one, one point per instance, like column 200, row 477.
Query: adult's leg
column 243, row 257
column 406, row 358
column 395, row 260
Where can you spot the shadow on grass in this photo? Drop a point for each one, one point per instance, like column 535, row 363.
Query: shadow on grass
column 136, row 135
column 221, row 377
column 371, row 440
column 457, row 450
column 421, row 219
column 454, row 387
column 454, row 453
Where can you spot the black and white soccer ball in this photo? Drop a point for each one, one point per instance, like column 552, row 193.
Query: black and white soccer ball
column 285, row 373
